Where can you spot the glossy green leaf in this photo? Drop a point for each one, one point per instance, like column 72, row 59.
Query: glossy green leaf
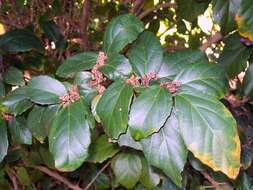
column 166, row 150
column 209, row 132
column 127, row 169
column 45, row 90
column 40, row 120
column 224, row 12
column 76, row 63
column 14, row 76
column 17, row 101
column 113, row 108
column 169, row 185
column 234, row 55
column 121, row 31
column 127, row 140
column 146, row 54
column 244, row 182
column 3, row 140
column 69, row 136
column 117, row 66
column 247, row 86
column 20, row 40
column 20, row 133
column 149, row 112
column 102, row 149
column 203, row 77
column 149, row 178
column 175, row 62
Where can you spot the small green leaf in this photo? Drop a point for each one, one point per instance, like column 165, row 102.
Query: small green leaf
column 166, row 150
column 45, row 90
column 146, row 54
column 76, row 63
column 127, row 140
column 121, row 31
column 14, row 76
column 113, row 108
column 20, row 133
column 69, row 136
column 149, row 112
column 17, row 101
column 101, row 150
column 127, row 169
column 117, row 66
column 3, row 140
column 20, row 40
column 94, row 104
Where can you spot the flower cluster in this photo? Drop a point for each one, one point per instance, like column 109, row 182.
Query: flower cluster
column 172, row 86
column 144, row 80
column 70, row 97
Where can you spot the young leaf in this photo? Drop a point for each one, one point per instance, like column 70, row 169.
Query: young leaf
column 209, row 132
column 102, row 149
column 204, row 78
column 3, row 140
column 17, row 101
column 45, row 90
column 76, row 63
column 127, row 169
column 69, row 136
column 14, row 76
column 113, row 108
column 149, row 112
column 127, row 140
column 146, row 54
column 121, row 31
column 166, row 150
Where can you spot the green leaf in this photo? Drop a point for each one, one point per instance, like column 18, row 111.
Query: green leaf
column 14, row 76
column 3, row 140
column 146, row 54
column 117, row 66
column 127, row 169
column 2, row 89
column 20, row 40
column 121, row 31
column 224, row 12
column 102, row 182
column 175, row 62
column 76, row 63
column 148, row 178
column 20, row 133
column 40, row 120
column 209, row 132
column 149, row 112
column 45, row 90
column 17, row 101
column 191, row 9
column 69, row 136
column 23, row 176
column 169, row 185
column 94, row 104
column 244, row 182
column 203, row 77
column 102, row 149
column 127, row 140
column 247, row 86
column 234, row 55
column 166, row 150
column 113, row 108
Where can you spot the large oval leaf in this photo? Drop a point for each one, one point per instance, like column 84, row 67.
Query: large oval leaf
column 121, row 31
column 113, row 108
column 69, row 136
column 3, row 140
column 14, row 76
column 146, row 54
column 127, row 169
column 204, row 78
column 209, row 132
column 149, row 112
column 77, row 63
column 166, row 150
column 45, row 90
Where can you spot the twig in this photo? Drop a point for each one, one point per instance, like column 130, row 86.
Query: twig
column 137, row 6
column 157, row 7
column 213, row 39
column 58, row 177
column 96, row 176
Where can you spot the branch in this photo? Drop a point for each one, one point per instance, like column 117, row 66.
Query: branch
column 137, row 6
column 84, row 24
column 58, row 177
column 96, row 176
column 213, row 39
column 157, row 7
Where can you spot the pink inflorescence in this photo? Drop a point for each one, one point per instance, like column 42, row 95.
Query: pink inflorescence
column 172, row 86
column 70, row 97
column 144, row 80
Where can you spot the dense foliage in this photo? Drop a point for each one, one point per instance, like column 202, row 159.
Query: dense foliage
column 95, row 95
